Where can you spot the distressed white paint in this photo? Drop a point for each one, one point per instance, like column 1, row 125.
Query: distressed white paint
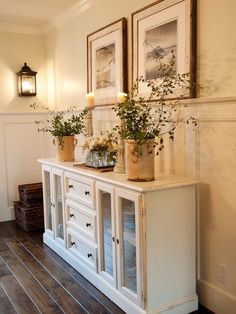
column 165, row 238
column 216, row 68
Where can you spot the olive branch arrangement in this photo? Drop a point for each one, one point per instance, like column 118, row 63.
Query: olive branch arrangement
column 159, row 113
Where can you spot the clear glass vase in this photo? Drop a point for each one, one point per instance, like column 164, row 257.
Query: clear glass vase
column 99, row 159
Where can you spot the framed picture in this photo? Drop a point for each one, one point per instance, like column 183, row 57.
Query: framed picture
column 106, row 62
column 164, row 29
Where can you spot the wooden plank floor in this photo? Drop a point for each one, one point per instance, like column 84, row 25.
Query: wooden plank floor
column 34, row 279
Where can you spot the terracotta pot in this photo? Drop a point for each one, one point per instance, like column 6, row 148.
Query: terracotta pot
column 65, row 152
column 139, row 160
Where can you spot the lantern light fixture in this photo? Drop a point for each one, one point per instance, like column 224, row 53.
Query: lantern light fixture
column 26, row 81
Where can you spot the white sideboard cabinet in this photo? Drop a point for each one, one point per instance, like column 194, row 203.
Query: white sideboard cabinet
column 136, row 242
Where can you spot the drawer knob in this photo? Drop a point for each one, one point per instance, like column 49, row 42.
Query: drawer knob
column 72, row 243
column 88, row 224
column 86, row 193
column 90, row 255
column 70, row 186
column 72, row 215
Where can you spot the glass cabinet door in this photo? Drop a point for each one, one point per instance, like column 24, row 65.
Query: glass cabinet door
column 128, row 236
column 128, row 233
column 58, row 205
column 106, row 241
column 48, row 204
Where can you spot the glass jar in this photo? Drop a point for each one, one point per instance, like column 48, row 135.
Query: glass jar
column 99, row 159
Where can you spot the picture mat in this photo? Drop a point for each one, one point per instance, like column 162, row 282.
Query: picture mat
column 176, row 12
column 108, row 93
column 188, row 21
column 113, row 34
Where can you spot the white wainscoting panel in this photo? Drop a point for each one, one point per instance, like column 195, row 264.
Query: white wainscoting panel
column 20, row 147
column 215, row 161
column 178, row 157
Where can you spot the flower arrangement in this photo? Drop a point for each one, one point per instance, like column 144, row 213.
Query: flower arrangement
column 104, row 142
column 101, row 150
column 61, row 123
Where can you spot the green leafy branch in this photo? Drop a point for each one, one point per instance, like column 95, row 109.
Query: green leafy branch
column 58, row 125
column 143, row 121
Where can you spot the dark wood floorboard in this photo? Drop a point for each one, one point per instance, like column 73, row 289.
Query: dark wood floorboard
column 34, row 279
column 14, row 291
column 49, row 265
column 33, row 288
column 202, row 310
column 5, row 304
column 79, row 278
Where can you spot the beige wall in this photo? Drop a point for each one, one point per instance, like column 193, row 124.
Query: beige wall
column 213, row 150
column 63, row 60
column 216, row 55
column 216, row 151
column 67, row 48
column 217, row 46
column 15, row 49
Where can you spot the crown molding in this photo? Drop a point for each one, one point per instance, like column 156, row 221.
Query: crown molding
column 58, row 21
column 69, row 14
column 17, row 28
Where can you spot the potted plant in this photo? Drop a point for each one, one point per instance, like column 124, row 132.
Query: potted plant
column 145, row 121
column 63, row 125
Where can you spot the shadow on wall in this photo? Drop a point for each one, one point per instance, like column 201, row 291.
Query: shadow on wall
column 216, row 75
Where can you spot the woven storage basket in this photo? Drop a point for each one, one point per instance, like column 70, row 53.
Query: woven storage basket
column 31, row 194
column 29, row 218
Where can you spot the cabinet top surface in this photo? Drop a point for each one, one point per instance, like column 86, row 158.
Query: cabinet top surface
column 159, row 183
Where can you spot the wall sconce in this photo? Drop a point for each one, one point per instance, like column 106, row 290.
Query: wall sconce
column 26, row 81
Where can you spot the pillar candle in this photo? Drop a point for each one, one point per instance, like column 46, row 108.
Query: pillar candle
column 90, row 100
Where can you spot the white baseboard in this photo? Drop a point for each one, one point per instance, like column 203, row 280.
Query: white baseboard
column 11, row 213
column 181, row 306
column 215, row 299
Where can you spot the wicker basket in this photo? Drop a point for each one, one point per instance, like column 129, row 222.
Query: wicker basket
column 31, row 194
column 29, row 218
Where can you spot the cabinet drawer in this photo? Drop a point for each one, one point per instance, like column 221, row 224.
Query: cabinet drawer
column 81, row 248
column 80, row 189
column 81, row 219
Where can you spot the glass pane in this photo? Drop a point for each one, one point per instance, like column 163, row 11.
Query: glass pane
column 129, row 244
column 59, row 208
column 106, row 241
column 47, row 192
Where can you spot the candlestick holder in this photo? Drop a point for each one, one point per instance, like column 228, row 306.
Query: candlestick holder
column 89, row 122
column 120, row 163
